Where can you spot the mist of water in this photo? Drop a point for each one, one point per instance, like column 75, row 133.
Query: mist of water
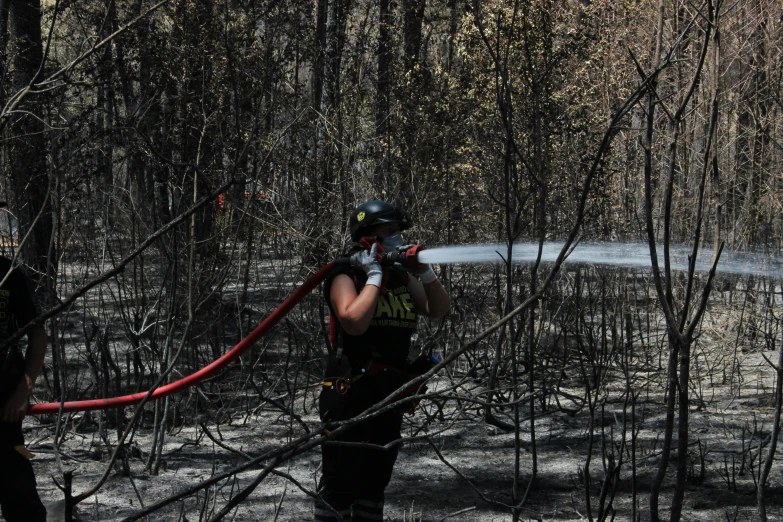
column 631, row 255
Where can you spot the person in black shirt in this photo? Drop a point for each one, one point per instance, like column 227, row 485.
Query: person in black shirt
column 374, row 311
column 19, row 498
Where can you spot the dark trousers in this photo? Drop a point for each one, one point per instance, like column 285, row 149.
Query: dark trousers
column 19, row 498
column 354, row 479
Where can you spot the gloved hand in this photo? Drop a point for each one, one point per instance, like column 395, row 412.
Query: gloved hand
column 368, row 262
column 423, row 271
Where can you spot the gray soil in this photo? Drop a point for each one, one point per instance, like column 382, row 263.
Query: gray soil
column 476, row 485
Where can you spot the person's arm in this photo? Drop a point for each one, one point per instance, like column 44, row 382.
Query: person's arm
column 16, row 407
column 354, row 311
column 430, row 298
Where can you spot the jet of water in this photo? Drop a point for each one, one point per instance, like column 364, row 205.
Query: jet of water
column 631, row 255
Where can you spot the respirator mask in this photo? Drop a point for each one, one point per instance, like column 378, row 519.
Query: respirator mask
column 391, row 242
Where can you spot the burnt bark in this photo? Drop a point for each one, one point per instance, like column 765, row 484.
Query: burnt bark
column 27, row 171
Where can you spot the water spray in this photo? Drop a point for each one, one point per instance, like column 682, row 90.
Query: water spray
column 621, row 255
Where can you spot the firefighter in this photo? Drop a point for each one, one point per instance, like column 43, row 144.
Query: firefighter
column 374, row 312
column 19, row 500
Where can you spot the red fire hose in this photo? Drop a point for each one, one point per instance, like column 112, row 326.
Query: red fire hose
column 206, row 372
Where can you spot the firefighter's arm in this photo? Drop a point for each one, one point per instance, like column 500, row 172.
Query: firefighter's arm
column 16, row 407
column 430, row 299
column 354, row 311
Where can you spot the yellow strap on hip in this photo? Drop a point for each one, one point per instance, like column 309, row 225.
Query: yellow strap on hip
column 341, row 384
column 23, row 451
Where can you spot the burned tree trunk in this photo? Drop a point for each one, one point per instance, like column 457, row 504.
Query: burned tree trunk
column 27, row 169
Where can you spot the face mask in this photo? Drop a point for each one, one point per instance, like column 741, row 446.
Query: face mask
column 391, row 242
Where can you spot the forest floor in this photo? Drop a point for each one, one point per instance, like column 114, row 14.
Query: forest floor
column 423, row 486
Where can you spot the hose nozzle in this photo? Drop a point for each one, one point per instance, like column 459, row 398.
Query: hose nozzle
column 408, row 258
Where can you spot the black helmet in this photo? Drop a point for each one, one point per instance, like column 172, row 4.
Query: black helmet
column 375, row 212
